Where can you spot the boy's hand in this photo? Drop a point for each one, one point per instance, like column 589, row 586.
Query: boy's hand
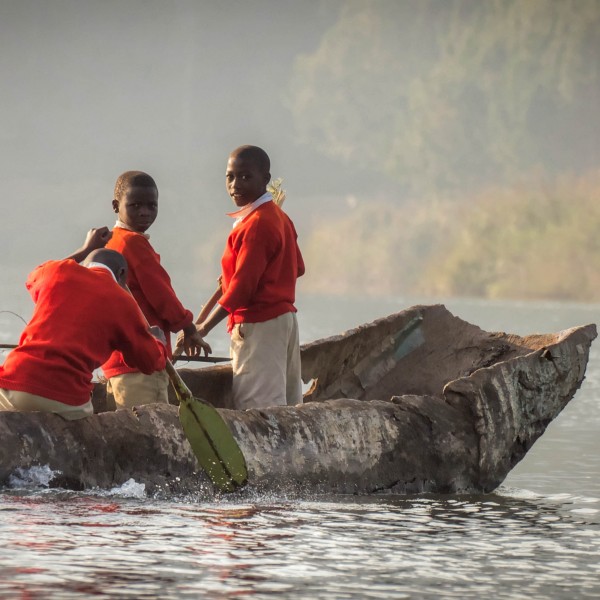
column 194, row 345
column 192, row 342
column 96, row 238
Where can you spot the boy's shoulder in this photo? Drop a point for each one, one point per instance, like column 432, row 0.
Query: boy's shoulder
column 124, row 238
column 268, row 213
column 135, row 247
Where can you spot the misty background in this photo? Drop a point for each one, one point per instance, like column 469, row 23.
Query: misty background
column 433, row 148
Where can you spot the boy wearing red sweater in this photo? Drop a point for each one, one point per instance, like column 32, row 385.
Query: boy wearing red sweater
column 81, row 315
column 136, row 204
column 260, row 265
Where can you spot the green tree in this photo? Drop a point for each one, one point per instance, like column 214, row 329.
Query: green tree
column 454, row 94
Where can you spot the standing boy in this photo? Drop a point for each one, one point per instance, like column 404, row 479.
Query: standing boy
column 136, row 204
column 82, row 314
column 260, row 265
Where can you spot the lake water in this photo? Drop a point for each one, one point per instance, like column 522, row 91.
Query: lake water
column 537, row 536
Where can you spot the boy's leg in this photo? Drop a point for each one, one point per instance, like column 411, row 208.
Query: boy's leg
column 26, row 402
column 136, row 389
column 293, row 388
column 259, row 354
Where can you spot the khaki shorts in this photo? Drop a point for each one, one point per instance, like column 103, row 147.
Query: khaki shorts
column 26, row 402
column 265, row 358
column 135, row 389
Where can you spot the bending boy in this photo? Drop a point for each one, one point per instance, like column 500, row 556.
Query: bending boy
column 260, row 266
column 81, row 315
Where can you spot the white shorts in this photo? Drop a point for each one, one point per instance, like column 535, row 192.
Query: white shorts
column 135, row 389
column 25, row 402
column 266, row 363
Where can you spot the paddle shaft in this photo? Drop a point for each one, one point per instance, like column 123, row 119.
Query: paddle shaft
column 208, row 359
column 207, row 308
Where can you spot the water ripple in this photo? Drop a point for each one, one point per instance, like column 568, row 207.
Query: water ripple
column 67, row 544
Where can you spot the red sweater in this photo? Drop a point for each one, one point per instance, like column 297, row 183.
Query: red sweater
column 81, row 315
column 151, row 286
column 260, row 265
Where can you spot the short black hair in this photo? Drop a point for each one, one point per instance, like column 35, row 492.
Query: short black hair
column 254, row 154
column 114, row 260
column 133, row 178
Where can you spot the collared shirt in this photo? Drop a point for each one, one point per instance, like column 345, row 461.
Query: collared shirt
column 242, row 213
column 122, row 225
column 98, row 265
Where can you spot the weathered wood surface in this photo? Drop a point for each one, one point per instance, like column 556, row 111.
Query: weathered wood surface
column 418, row 401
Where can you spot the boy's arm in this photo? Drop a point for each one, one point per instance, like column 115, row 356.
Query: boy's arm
column 155, row 285
column 250, row 264
column 96, row 238
column 140, row 348
column 181, row 344
column 205, row 327
column 300, row 260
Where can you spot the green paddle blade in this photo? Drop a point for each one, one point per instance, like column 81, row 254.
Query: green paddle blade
column 209, row 436
column 213, row 444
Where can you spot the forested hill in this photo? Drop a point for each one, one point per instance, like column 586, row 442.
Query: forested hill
column 528, row 241
column 486, row 118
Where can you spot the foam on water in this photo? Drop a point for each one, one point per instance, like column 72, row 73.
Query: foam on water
column 32, row 478
column 38, row 478
column 130, row 489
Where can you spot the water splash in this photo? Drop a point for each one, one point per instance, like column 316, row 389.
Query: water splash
column 130, row 489
column 32, row 477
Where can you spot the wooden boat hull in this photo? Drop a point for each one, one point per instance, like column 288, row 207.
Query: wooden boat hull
column 419, row 401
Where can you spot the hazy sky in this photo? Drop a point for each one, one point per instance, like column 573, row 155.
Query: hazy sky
column 91, row 89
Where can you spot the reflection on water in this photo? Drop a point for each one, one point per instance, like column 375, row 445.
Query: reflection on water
column 538, row 536
column 426, row 546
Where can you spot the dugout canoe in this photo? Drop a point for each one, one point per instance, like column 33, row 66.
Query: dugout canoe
column 419, row 401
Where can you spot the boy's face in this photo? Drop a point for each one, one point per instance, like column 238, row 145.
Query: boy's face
column 244, row 180
column 137, row 207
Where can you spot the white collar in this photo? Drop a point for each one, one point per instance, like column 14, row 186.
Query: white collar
column 122, row 225
column 99, row 265
column 242, row 213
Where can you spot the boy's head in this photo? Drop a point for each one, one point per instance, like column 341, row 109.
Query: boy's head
column 136, row 200
column 247, row 174
column 114, row 260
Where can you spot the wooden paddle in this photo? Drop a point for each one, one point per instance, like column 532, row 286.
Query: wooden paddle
column 209, row 436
